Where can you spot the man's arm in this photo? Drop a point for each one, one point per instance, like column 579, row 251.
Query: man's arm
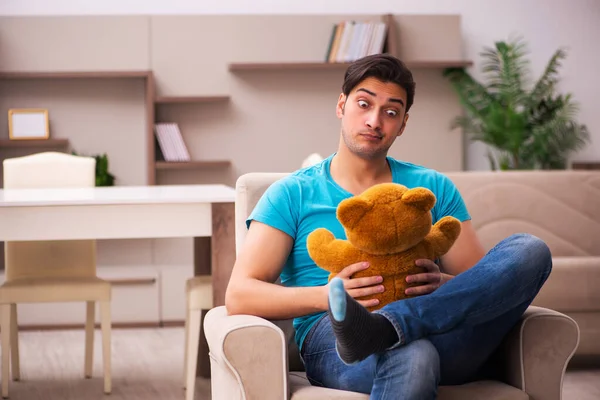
column 466, row 251
column 251, row 289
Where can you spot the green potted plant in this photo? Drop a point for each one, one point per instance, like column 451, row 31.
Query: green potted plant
column 103, row 176
column 526, row 126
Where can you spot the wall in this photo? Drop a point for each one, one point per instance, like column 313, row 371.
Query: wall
column 546, row 24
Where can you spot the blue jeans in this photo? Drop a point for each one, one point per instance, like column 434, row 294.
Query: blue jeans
column 447, row 336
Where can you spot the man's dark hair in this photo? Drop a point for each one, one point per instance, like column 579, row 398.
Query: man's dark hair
column 383, row 67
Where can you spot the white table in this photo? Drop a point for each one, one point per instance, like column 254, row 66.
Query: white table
column 128, row 212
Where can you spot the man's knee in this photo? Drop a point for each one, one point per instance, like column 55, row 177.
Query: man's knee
column 531, row 259
column 426, row 358
column 534, row 250
column 418, row 363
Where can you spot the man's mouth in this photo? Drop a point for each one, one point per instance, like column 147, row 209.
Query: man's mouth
column 371, row 136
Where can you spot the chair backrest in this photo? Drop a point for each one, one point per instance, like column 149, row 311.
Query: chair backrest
column 49, row 259
column 249, row 188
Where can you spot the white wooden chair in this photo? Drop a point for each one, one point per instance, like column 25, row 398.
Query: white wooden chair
column 52, row 271
column 199, row 294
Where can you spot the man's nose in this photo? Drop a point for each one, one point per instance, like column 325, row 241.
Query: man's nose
column 374, row 120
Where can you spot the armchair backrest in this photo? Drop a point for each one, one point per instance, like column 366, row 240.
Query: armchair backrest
column 249, row 189
column 49, row 258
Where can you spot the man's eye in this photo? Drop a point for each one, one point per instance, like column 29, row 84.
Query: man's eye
column 362, row 103
column 391, row 113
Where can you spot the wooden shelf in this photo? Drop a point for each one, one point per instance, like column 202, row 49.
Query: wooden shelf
column 74, row 74
column 439, row 64
column 34, row 143
column 586, row 165
column 190, row 99
column 326, row 66
column 285, row 66
column 178, row 165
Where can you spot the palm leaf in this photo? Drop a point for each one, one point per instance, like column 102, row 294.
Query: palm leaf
column 547, row 82
column 506, row 68
column 472, row 95
column 559, row 136
column 467, row 124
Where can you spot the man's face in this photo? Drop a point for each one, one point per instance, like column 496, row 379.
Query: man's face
column 373, row 116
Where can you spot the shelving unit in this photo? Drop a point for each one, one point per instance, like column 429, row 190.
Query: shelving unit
column 151, row 100
column 145, row 75
column 194, row 164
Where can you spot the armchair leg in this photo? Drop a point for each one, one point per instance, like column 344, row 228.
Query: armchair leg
column 14, row 343
column 90, row 319
column 193, row 335
column 105, row 323
column 5, row 343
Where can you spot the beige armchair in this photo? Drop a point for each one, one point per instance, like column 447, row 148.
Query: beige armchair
column 252, row 358
column 52, row 271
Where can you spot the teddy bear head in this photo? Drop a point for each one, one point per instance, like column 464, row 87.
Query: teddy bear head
column 387, row 218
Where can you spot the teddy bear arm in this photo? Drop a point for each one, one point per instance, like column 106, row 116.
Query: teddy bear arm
column 330, row 253
column 442, row 236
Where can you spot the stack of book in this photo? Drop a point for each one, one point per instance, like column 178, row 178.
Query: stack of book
column 351, row 40
column 171, row 142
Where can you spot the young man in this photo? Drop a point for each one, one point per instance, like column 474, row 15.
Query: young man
column 457, row 318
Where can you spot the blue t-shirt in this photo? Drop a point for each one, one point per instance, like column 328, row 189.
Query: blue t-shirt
column 308, row 198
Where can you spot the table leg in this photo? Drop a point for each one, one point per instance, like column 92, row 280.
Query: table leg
column 202, row 256
column 215, row 256
column 222, row 249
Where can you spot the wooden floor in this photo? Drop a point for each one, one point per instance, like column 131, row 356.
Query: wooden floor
column 148, row 364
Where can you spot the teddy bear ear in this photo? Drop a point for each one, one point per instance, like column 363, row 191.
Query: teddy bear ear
column 351, row 210
column 421, row 198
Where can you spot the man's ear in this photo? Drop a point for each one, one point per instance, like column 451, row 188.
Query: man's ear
column 403, row 125
column 341, row 104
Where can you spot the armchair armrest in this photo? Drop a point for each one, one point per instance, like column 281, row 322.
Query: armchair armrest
column 248, row 357
column 537, row 351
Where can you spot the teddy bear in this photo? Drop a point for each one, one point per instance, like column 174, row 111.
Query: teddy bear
column 389, row 226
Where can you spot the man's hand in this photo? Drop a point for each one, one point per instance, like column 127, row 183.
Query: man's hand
column 360, row 287
column 430, row 280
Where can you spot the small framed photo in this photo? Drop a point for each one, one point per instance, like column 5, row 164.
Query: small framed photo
column 28, row 124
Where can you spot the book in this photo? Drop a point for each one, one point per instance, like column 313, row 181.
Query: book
column 171, row 142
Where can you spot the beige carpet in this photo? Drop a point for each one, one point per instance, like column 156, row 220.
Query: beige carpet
column 147, row 364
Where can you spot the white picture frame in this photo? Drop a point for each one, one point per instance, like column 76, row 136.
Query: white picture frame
column 28, row 124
